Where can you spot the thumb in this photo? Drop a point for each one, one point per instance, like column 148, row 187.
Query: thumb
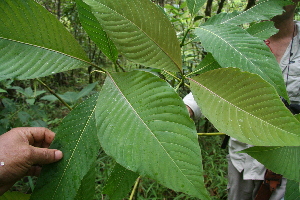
column 42, row 156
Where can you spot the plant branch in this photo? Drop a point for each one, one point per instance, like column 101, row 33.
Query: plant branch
column 134, row 188
column 56, row 95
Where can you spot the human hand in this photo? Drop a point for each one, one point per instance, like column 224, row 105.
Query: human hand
column 22, row 151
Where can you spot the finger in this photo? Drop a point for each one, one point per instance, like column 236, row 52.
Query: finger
column 37, row 136
column 41, row 156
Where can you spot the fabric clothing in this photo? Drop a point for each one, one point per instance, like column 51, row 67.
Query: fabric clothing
column 243, row 166
column 247, row 189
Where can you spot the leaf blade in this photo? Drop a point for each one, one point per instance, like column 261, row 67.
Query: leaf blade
column 245, row 52
column 79, row 143
column 152, row 134
column 233, row 105
column 136, row 27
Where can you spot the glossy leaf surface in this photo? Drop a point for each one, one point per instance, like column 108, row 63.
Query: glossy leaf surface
column 245, row 107
column 145, row 127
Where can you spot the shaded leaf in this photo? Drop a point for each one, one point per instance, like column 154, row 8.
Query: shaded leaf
column 194, row 5
column 87, row 187
column 76, row 138
column 262, row 30
column 141, row 32
column 292, row 190
column 207, row 64
column 14, row 195
column 119, row 182
column 95, row 31
column 232, row 46
column 146, row 128
column 245, row 107
column 273, row 157
column 33, row 43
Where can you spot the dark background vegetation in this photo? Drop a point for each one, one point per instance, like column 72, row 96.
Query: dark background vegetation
column 24, row 103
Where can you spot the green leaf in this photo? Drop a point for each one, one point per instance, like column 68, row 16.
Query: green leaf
column 141, row 32
column 273, row 157
column 232, row 46
column 3, row 91
column 262, row 30
column 119, row 182
column 144, row 125
column 207, row 64
column 76, row 137
column 245, row 107
column 86, row 90
column 87, row 191
column 263, row 10
column 33, row 43
column 194, row 5
column 95, row 31
column 14, row 195
column 292, row 190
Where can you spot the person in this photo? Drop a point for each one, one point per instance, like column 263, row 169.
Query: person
column 246, row 174
column 22, row 152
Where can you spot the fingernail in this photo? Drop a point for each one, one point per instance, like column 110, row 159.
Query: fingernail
column 58, row 155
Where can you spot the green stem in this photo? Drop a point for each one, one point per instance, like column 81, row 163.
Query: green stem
column 134, row 188
column 210, row 134
column 52, row 92
column 184, row 37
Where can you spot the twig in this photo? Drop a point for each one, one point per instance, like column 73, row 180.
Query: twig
column 52, row 92
column 134, row 188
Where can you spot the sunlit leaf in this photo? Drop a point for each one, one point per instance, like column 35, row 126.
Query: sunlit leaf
column 263, row 10
column 141, row 32
column 145, row 127
column 245, row 107
column 33, row 43
column 194, row 5
column 232, row 46
column 76, row 137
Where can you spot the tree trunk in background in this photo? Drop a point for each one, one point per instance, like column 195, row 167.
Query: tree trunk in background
column 208, row 8
column 58, row 9
column 250, row 4
column 160, row 2
column 221, row 4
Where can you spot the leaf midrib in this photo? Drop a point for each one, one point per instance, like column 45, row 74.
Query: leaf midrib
column 144, row 34
column 139, row 117
column 237, row 108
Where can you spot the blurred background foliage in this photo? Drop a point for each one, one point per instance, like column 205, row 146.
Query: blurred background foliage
column 29, row 103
